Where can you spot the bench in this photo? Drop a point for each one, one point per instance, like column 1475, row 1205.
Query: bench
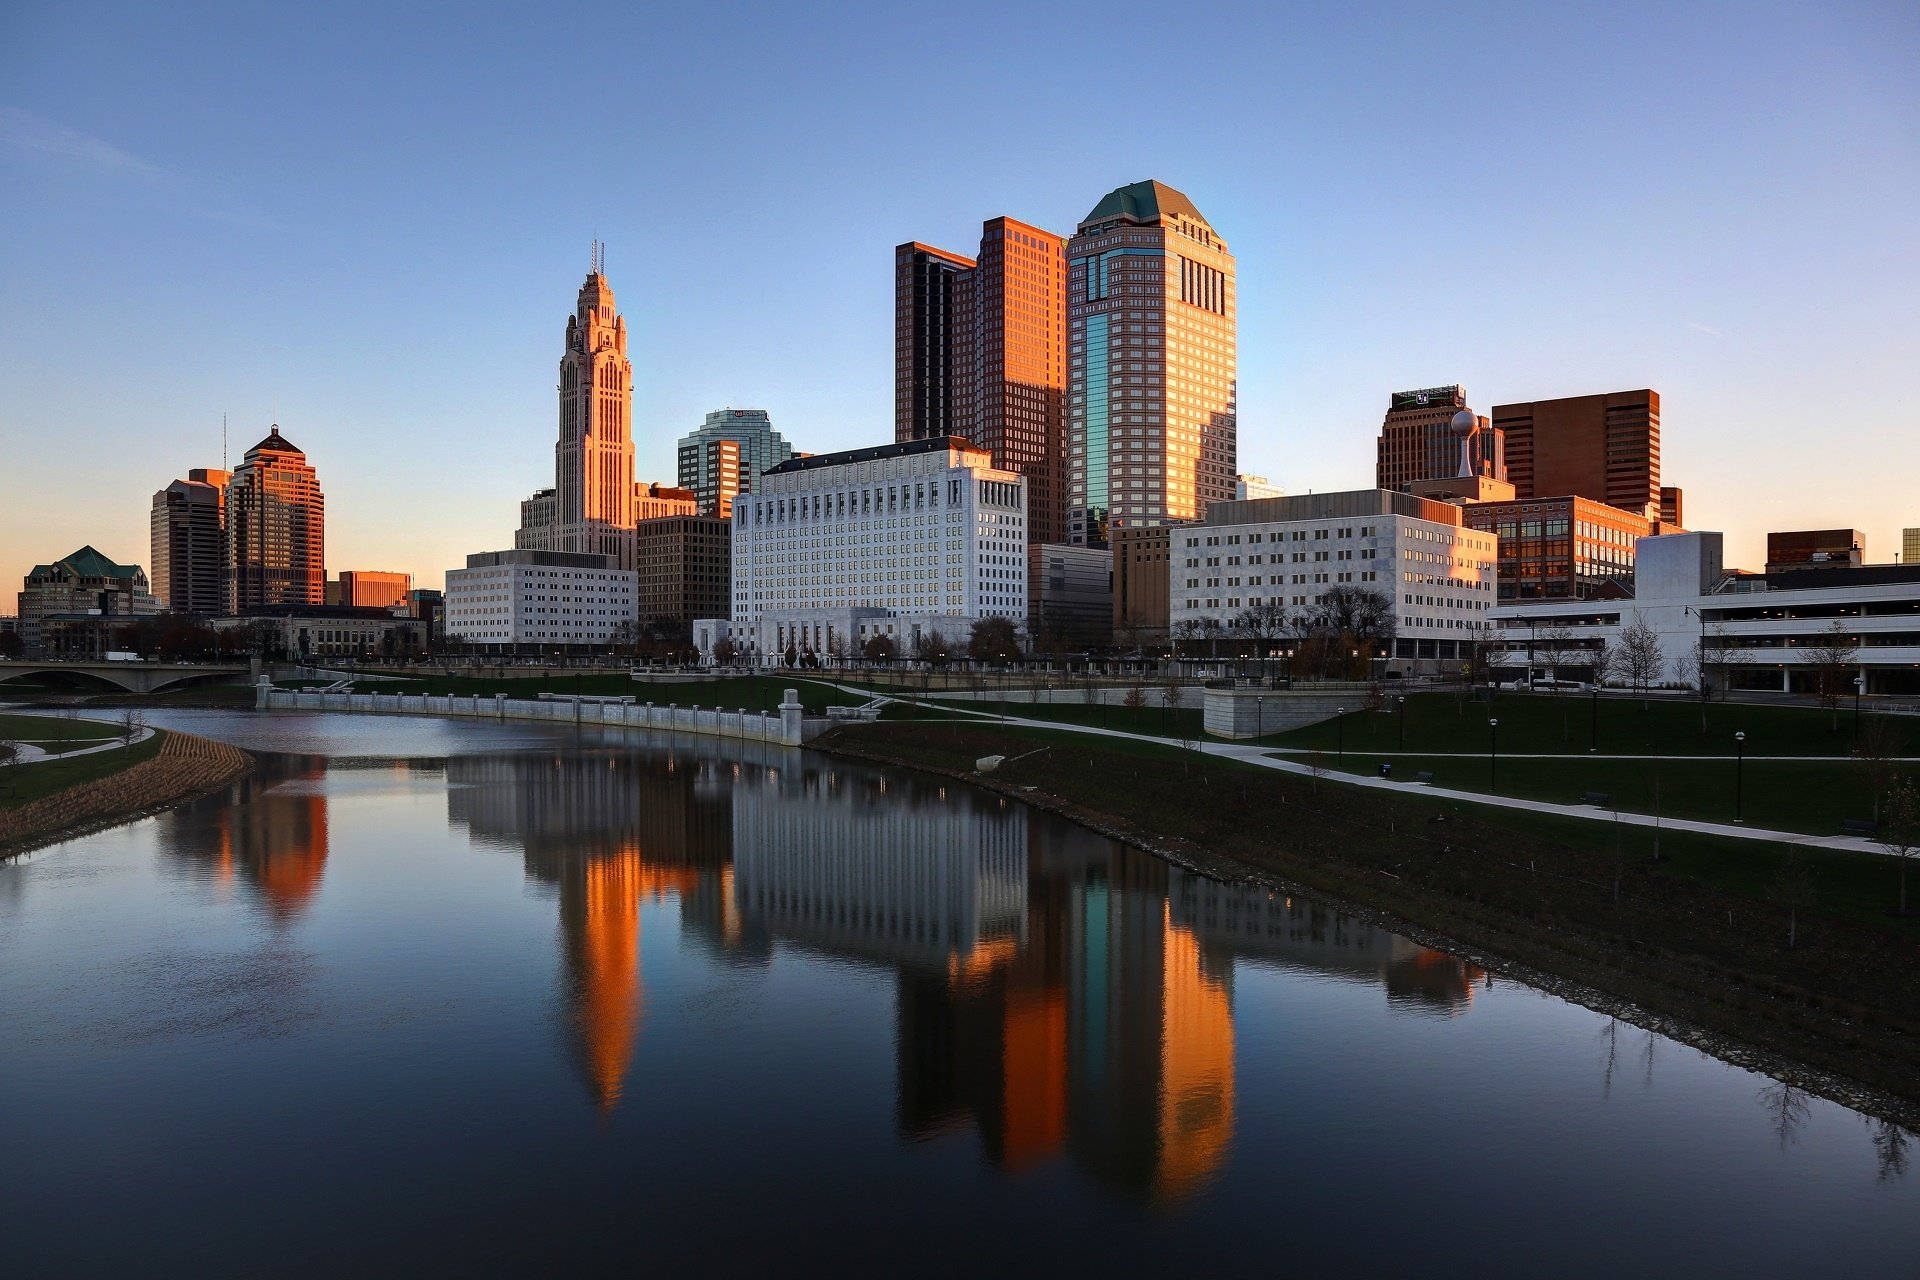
column 1859, row 827
column 1425, row 776
column 1598, row 799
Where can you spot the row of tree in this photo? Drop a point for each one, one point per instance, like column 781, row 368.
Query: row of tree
column 1337, row 638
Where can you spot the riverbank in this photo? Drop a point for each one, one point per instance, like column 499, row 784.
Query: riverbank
column 167, row 769
column 1579, row 910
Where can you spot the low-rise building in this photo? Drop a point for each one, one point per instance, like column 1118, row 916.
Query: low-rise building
column 925, row 530
column 302, row 632
column 1568, row 548
column 685, row 567
column 1272, row 564
column 1069, row 597
column 369, row 589
column 1140, row 585
column 506, row 600
column 77, row 587
column 1815, row 549
column 1745, row 631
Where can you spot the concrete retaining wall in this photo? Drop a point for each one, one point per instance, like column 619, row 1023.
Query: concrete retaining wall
column 788, row 726
column 1253, row 713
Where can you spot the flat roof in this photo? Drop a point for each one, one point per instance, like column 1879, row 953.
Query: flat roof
column 902, row 449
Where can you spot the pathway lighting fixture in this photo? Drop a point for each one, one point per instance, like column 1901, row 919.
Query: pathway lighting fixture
column 1739, row 765
column 1493, row 752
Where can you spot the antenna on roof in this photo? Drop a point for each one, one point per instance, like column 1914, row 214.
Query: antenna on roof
column 223, row 442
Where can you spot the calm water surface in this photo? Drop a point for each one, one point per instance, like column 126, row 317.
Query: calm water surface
column 459, row 998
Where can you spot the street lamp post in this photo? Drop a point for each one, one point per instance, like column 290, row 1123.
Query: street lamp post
column 1493, row 753
column 1403, row 721
column 1340, row 732
column 1859, row 687
column 1259, row 715
column 1593, row 719
column 1739, row 767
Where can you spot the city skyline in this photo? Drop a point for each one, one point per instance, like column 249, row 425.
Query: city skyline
column 1743, row 308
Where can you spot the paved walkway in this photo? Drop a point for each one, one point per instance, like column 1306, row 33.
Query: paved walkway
column 31, row 754
column 1265, row 758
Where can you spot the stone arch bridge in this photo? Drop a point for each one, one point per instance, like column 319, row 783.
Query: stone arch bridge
column 128, row 677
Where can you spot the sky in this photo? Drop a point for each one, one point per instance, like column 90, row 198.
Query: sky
column 368, row 223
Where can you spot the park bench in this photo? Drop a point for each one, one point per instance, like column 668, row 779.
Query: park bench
column 1858, row 827
column 1599, row 800
column 1425, row 776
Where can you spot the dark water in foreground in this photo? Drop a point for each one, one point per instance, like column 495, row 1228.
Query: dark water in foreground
column 462, row 998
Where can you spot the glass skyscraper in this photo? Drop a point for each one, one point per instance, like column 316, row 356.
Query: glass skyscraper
column 703, row 469
column 1151, row 364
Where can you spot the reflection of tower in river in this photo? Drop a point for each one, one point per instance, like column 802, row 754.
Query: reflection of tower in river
column 609, row 832
column 269, row 831
column 1266, row 928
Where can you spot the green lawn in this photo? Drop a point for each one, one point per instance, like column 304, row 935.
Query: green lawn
column 23, row 784
column 1785, row 795
column 1154, row 719
column 1534, row 724
column 1861, row 886
column 57, row 734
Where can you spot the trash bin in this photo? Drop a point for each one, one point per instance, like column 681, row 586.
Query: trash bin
column 1386, row 769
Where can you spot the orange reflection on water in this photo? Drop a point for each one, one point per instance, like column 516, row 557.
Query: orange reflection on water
column 1196, row 1067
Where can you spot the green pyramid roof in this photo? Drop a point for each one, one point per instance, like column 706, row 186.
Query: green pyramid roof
column 88, row 563
column 1143, row 202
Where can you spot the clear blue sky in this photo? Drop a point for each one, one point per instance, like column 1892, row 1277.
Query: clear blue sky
column 370, row 221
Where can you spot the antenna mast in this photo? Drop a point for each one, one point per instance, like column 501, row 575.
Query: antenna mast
column 223, row 442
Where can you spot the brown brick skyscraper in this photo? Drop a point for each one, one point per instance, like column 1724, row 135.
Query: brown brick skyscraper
column 980, row 352
column 1603, row 447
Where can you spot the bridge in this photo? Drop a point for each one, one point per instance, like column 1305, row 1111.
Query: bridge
column 129, row 677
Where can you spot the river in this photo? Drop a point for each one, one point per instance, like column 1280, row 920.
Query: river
column 456, row 997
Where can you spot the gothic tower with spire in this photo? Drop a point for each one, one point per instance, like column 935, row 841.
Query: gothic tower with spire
column 593, row 461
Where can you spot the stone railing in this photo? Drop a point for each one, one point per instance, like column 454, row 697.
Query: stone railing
column 790, row 726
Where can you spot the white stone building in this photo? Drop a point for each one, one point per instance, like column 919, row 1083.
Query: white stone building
column 1759, row 630
column 522, row 597
column 1289, row 552
column 900, row 539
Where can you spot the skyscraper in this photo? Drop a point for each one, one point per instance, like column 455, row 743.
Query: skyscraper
column 592, row 507
column 717, row 475
column 1910, row 546
column 1417, row 441
column 276, row 529
column 1151, row 418
column 925, row 280
column 980, row 352
column 188, row 531
column 1603, row 447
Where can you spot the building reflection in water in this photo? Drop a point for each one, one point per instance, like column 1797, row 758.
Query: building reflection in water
column 1059, row 994
column 267, row 833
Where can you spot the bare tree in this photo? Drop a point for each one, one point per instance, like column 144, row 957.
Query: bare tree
column 1793, row 889
column 1890, row 1149
column 1875, row 751
column 1899, row 828
column 132, row 721
column 1553, row 639
column 1830, row 660
column 9, row 757
column 1640, row 656
column 1787, row 1110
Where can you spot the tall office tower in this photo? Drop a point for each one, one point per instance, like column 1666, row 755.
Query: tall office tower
column 980, row 352
column 188, row 530
column 1672, row 506
column 714, row 477
column 1418, row 442
column 925, row 280
column 1151, row 417
column 373, row 588
column 1910, row 546
column 1603, row 447
column 702, row 468
column 593, row 460
column 276, row 529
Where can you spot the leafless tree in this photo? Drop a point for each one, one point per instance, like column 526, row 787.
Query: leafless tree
column 1793, row 889
column 1890, row 1143
column 9, row 757
column 1787, row 1110
column 1899, row 828
column 1640, row 656
column 1553, row 640
column 132, row 721
column 1875, row 752
column 1830, row 660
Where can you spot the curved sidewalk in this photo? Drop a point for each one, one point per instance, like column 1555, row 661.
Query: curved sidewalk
column 1263, row 757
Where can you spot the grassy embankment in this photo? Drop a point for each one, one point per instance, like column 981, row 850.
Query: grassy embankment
column 22, row 784
column 1702, row 934
column 1675, row 770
